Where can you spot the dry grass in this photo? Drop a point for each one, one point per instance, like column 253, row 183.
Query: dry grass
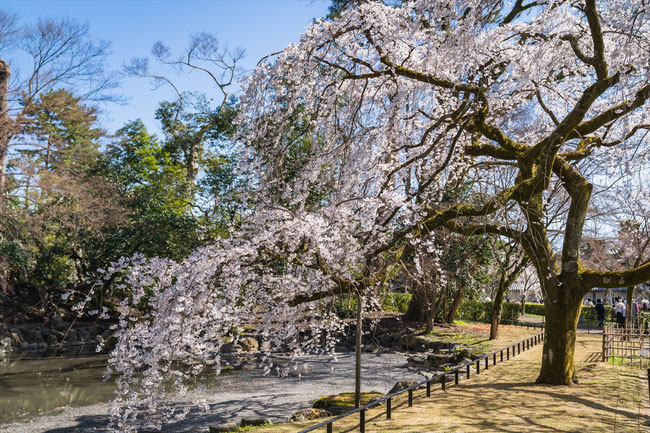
column 505, row 399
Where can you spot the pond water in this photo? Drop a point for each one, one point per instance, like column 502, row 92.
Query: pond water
column 69, row 391
column 32, row 385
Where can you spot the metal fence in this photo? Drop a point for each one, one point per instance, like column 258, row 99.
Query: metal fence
column 500, row 355
column 626, row 345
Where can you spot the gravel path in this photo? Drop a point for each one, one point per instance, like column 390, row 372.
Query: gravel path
column 247, row 394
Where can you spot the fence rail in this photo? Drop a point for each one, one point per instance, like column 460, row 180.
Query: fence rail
column 497, row 356
column 627, row 345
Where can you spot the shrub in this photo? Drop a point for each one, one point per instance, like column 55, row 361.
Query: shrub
column 534, row 308
column 481, row 311
column 396, row 302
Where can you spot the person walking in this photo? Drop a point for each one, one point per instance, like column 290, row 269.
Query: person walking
column 619, row 308
column 600, row 313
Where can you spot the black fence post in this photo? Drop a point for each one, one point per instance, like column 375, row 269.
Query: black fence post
column 444, row 381
column 508, row 352
column 478, row 366
column 429, row 388
column 362, row 421
column 410, row 397
column 456, row 377
column 494, row 358
column 487, row 362
column 468, row 369
column 389, row 407
column 501, row 353
column 330, row 427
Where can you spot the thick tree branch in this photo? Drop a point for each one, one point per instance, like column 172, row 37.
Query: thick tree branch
column 615, row 279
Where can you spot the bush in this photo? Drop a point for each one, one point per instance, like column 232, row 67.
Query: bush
column 396, row 302
column 534, row 308
column 588, row 313
column 481, row 311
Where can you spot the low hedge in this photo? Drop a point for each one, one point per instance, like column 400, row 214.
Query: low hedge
column 588, row 313
column 534, row 308
column 481, row 311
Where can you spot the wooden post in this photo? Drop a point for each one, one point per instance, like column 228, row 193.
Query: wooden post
column 494, row 358
column 604, row 334
column 389, row 407
column 357, row 369
column 362, row 421
column 487, row 362
column 456, row 377
column 478, row 366
column 429, row 388
column 410, row 397
column 501, row 353
column 508, row 352
column 330, row 427
column 468, row 370
column 444, row 381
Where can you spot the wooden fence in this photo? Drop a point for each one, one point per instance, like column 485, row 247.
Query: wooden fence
column 626, row 345
column 500, row 355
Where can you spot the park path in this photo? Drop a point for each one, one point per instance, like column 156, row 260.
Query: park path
column 505, row 399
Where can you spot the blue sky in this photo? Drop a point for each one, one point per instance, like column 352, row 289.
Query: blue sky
column 258, row 26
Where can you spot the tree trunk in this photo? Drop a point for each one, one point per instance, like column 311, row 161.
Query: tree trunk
column 418, row 306
column 5, row 127
column 505, row 282
column 562, row 313
column 497, row 306
column 454, row 306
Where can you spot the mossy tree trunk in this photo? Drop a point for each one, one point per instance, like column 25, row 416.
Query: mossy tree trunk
column 505, row 282
column 559, row 339
column 454, row 306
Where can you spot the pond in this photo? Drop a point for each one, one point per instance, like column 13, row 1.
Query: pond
column 67, row 394
column 32, row 385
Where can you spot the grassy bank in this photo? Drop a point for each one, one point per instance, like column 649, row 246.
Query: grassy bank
column 608, row 399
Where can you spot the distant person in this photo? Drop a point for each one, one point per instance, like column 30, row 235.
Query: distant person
column 619, row 308
column 644, row 305
column 600, row 313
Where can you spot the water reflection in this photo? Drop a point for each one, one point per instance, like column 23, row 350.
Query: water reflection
column 31, row 385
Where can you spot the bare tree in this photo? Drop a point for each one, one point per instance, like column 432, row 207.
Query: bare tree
column 63, row 55
column 206, row 56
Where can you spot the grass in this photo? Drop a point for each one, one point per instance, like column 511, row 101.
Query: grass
column 476, row 335
column 505, row 399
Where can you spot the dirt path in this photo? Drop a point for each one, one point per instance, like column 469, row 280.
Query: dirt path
column 608, row 399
